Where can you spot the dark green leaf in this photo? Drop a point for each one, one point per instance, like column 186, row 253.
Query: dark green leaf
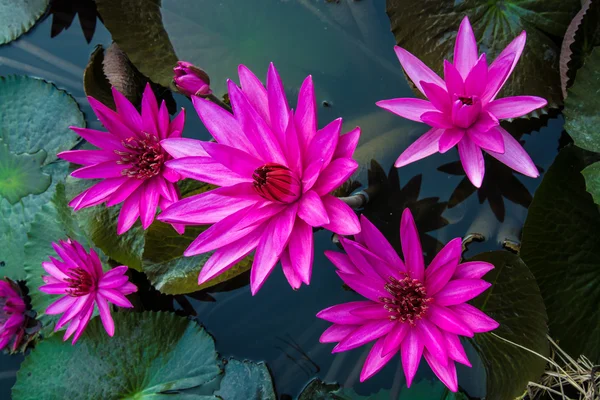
column 95, row 83
column 428, row 29
column 560, row 244
column 20, row 175
column 150, row 356
column 591, row 174
column 582, row 120
column 17, row 17
column 515, row 302
column 246, row 380
column 34, row 118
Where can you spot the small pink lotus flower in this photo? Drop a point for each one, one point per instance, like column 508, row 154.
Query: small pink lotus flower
column 276, row 171
column 462, row 109
column 410, row 309
column 12, row 315
column 79, row 277
column 130, row 161
column 191, row 80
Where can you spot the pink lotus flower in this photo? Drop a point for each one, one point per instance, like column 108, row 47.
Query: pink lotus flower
column 79, row 277
column 462, row 109
column 130, row 161
column 191, row 80
column 275, row 169
column 410, row 309
column 12, row 316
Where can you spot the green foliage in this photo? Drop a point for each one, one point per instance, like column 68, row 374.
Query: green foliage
column 428, row 29
column 17, row 17
column 246, row 380
column 560, row 244
column 34, row 126
column 516, row 303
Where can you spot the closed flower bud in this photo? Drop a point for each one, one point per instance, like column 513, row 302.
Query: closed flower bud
column 191, row 80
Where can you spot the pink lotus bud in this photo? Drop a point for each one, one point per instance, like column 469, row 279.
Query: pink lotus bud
column 191, row 80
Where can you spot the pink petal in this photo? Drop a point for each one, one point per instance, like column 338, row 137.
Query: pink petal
column 423, row 147
column 111, row 120
column 270, row 247
column 368, row 263
column 301, row 250
column 206, row 169
column 437, row 119
column 292, row 146
column 255, row 92
column 336, row 333
column 433, row 340
column 97, row 193
column 341, row 261
column 124, row 191
column 334, row 175
column 411, row 351
column 498, row 74
column 516, row 48
column 416, row 70
column 54, row 288
column 61, row 305
column 465, row 50
column 460, row 290
column 454, row 82
column 306, row 113
column 443, row 266
column 129, row 212
column 149, row 197
column 368, row 332
column 103, row 140
column 176, row 125
column 475, row 319
column 455, row 349
column 375, row 361
column 107, row 169
column 366, row 286
column 445, row 372
column 116, row 271
column 53, row 270
column 437, row 95
column 411, row 246
column 393, row 340
column 113, row 282
column 378, row 244
column 163, row 121
column 88, row 157
column 183, row 147
column 107, row 321
column 83, row 322
column 472, row 270
column 476, row 80
column 372, row 311
column 341, row 313
column 447, row 320
column 515, row 156
column 278, row 106
column 450, row 138
column 288, row 271
column 324, row 143
column 343, row 220
column 235, row 160
column 347, row 144
column 408, row 108
column 72, row 311
column 471, row 159
column 312, row 210
column 489, row 140
column 149, row 111
column 514, row 107
column 115, row 297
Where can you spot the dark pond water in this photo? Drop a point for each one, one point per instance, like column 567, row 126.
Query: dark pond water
column 348, row 49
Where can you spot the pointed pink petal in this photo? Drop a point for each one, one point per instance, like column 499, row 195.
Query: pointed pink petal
column 347, row 144
column 408, row 108
column 454, row 82
column 341, row 261
column 103, row 140
column 378, row 244
column 184, row 147
column 270, row 247
column 437, row 119
column 128, row 113
column 301, row 250
column 341, row 313
column 368, row 332
column 372, row 311
column 129, row 213
column 515, row 48
column 366, row 286
column 124, row 191
column 465, row 50
column 476, row 81
column 107, row 321
column 61, row 305
column 445, row 372
column 292, row 146
column 336, row 333
column 368, row 263
column 442, row 267
column 423, row 147
column 472, row 270
column 288, row 271
column 312, row 210
column 221, row 124
column 475, row 319
column 149, row 111
column 411, row 246
column 334, row 175
column 416, row 70
column 53, row 270
column 455, row 349
column 306, row 112
column 437, row 96
column 115, row 297
column 375, row 361
column 471, row 159
column 111, row 120
column 450, row 138
column 497, row 75
column 515, row 156
column 206, row 169
column 84, row 320
column 278, row 105
column 176, row 125
column 393, row 340
column 461, row 290
column 489, row 140
column 255, row 92
column 163, row 121
column 343, row 220
column 236, row 160
column 88, row 157
column 433, row 340
column 107, row 169
column 54, row 288
column 514, row 107
column 98, row 193
column 324, row 143
column 311, row 174
column 411, row 351
column 72, row 311
column 113, row 282
column 149, row 197
column 447, row 320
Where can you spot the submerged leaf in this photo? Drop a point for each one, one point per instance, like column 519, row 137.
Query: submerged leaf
column 20, row 175
column 246, row 380
column 17, row 17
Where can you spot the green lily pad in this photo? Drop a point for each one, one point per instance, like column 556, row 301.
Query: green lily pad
column 560, row 244
column 592, row 181
column 34, row 119
column 246, row 380
column 17, row 17
column 152, row 355
column 20, row 175
column 516, row 303
column 56, row 221
column 428, row 29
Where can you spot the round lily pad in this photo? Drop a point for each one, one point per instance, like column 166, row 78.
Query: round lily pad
column 21, row 175
column 17, row 17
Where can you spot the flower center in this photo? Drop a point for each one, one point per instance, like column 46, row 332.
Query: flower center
column 144, row 156
column 276, row 182
column 467, row 101
column 410, row 302
column 80, row 282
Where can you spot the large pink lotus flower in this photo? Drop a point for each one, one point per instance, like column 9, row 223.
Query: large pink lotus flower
column 410, row 309
column 462, row 109
column 80, row 278
column 276, row 171
column 130, row 160
column 12, row 316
